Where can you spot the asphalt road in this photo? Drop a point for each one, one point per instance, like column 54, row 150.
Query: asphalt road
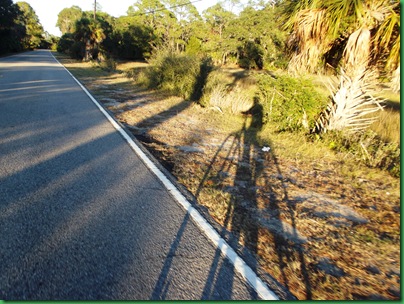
column 81, row 216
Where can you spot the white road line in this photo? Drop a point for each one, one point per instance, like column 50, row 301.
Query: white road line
column 242, row 268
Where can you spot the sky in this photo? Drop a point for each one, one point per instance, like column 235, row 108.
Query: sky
column 48, row 10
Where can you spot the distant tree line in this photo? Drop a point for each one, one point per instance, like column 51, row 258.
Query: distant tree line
column 251, row 39
column 20, row 28
column 303, row 36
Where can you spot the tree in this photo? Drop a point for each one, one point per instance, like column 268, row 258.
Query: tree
column 8, row 13
column 131, row 39
column 11, row 33
column 217, row 19
column 90, row 35
column 183, row 12
column 34, row 30
column 259, row 41
column 67, row 19
column 154, row 15
column 181, row 29
column 324, row 31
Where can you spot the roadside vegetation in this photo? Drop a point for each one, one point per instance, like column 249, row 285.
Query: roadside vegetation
column 20, row 29
column 281, row 118
column 318, row 221
column 314, row 67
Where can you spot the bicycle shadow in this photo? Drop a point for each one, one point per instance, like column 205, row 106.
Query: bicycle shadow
column 249, row 211
column 255, row 204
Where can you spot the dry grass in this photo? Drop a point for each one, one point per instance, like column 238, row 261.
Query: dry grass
column 323, row 226
column 233, row 101
column 388, row 124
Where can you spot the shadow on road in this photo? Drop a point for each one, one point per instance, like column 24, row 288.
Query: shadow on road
column 81, row 218
column 163, row 282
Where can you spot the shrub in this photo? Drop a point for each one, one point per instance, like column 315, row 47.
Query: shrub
column 193, row 46
column 368, row 148
column 65, row 43
column 290, row 103
column 178, row 74
column 251, row 56
column 77, row 50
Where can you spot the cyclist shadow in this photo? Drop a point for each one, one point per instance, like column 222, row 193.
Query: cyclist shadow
column 254, row 206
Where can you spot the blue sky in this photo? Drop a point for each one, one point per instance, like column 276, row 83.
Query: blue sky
column 48, row 10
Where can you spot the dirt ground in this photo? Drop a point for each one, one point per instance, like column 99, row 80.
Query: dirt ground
column 318, row 231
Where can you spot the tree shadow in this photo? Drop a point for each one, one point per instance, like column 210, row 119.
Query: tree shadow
column 205, row 68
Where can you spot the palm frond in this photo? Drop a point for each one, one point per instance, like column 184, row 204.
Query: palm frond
column 309, row 40
column 387, row 38
column 340, row 10
column 351, row 106
column 357, row 50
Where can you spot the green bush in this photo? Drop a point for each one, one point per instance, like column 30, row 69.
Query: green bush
column 193, row 47
column 290, row 103
column 251, row 56
column 178, row 74
column 77, row 50
column 65, row 43
column 367, row 148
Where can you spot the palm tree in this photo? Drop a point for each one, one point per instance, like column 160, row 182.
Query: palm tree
column 357, row 37
column 319, row 27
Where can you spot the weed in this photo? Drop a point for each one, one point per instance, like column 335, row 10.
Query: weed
column 231, row 101
column 387, row 126
column 369, row 148
column 230, row 92
column 290, row 103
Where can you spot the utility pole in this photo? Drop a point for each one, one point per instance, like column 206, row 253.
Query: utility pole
column 95, row 8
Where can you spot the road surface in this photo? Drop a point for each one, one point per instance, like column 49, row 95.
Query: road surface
column 81, row 216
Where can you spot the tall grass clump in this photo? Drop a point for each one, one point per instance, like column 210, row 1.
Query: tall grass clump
column 227, row 93
column 291, row 104
column 108, row 65
column 176, row 74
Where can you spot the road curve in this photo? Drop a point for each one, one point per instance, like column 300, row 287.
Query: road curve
column 81, row 216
